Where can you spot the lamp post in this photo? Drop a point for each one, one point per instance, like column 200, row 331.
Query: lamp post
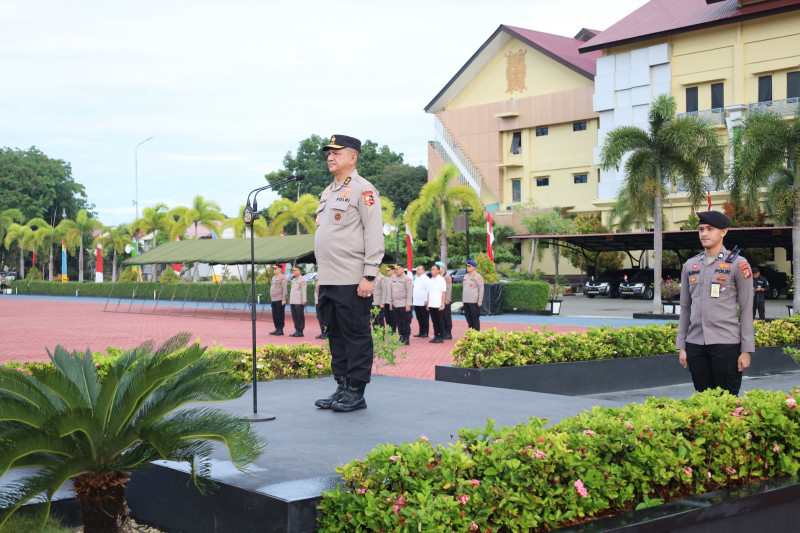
column 136, row 174
column 466, row 211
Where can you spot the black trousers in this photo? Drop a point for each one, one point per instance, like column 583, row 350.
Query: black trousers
column 378, row 320
column 390, row 318
column 347, row 318
column 402, row 322
column 759, row 306
column 422, row 319
column 715, row 365
column 473, row 315
column 448, row 320
column 298, row 316
column 438, row 322
column 278, row 314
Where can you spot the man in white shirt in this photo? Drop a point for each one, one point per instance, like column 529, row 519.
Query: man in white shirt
column 421, row 283
column 437, row 289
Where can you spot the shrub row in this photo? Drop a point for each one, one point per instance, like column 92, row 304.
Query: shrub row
column 492, row 348
column 598, row 463
column 526, row 295
column 272, row 362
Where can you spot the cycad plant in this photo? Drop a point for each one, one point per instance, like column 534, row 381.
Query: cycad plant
column 67, row 423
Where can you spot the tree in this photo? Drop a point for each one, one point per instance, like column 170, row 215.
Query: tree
column 767, row 154
column 673, row 150
column 42, row 238
column 586, row 223
column 154, row 219
column 442, row 196
column 312, row 162
column 71, row 424
column 8, row 217
column 17, row 234
column 202, row 213
column 39, row 186
column 401, row 184
column 114, row 241
column 76, row 231
column 283, row 211
column 546, row 222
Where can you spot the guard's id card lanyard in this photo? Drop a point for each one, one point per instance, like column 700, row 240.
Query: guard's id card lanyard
column 715, row 290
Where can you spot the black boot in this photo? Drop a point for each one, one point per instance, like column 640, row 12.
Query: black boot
column 277, row 332
column 299, row 333
column 353, row 398
column 325, row 403
column 405, row 341
column 322, row 336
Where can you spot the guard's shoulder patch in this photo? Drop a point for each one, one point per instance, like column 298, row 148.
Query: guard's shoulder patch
column 744, row 266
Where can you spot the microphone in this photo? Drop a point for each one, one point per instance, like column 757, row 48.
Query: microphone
column 299, row 177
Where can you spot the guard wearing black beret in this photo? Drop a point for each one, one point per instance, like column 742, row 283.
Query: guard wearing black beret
column 714, row 338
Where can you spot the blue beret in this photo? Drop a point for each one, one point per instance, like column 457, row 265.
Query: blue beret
column 439, row 264
column 472, row 263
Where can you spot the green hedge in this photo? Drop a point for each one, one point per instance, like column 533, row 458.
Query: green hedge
column 525, row 295
column 493, row 348
column 595, row 464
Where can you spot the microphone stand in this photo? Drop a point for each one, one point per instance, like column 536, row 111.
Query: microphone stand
column 249, row 217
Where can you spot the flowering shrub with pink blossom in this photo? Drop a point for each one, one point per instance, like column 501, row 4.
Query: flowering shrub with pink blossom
column 493, row 348
column 597, row 463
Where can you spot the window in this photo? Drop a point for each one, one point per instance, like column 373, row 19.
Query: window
column 765, row 88
column 717, row 95
column 516, row 143
column 579, row 126
column 793, row 85
column 516, row 190
column 580, row 178
column 541, row 131
column 542, row 182
column 691, row 99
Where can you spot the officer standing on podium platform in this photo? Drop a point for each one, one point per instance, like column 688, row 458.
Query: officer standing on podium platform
column 715, row 331
column 349, row 247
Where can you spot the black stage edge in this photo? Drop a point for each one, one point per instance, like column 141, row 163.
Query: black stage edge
column 606, row 375
column 656, row 316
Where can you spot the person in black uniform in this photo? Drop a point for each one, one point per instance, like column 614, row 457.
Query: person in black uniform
column 761, row 289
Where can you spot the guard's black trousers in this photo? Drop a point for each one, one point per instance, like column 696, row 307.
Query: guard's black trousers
column 402, row 322
column 438, row 322
column 278, row 314
column 715, row 365
column 448, row 320
column 422, row 319
column 298, row 317
column 759, row 306
column 473, row 315
column 346, row 316
column 390, row 318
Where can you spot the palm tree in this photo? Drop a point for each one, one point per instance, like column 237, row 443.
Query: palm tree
column 114, row 239
column 444, row 197
column 17, row 234
column 202, row 213
column 674, row 149
column 76, row 231
column 283, row 211
column 42, row 237
column 766, row 151
column 71, row 424
column 7, row 218
column 154, row 219
column 240, row 228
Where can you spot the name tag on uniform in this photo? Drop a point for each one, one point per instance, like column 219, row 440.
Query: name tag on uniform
column 715, row 290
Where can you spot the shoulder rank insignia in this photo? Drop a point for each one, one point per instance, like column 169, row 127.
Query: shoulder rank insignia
column 745, row 268
column 369, row 197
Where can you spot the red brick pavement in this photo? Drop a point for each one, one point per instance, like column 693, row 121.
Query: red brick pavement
column 28, row 326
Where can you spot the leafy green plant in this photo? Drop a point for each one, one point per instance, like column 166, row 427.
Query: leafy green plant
column 598, row 463
column 486, row 268
column 525, row 295
column 386, row 345
column 169, row 276
column 556, row 290
column 33, row 274
column 129, row 275
column 71, row 425
column 280, row 362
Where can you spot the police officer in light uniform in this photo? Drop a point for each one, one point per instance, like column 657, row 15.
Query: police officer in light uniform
column 715, row 339
column 297, row 303
column 378, row 297
column 277, row 296
column 472, row 296
column 401, row 293
column 448, row 300
column 348, row 246
column 388, row 314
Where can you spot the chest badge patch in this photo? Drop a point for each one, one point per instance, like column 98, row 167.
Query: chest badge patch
column 692, row 279
column 369, row 197
column 695, row 265
column 745, row 268
column 337, row 217
column 721, row 278
column 724, row 265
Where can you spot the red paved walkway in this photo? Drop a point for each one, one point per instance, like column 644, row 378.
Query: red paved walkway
column 27, row 327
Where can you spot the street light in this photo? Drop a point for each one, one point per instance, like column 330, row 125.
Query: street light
column 136, row 175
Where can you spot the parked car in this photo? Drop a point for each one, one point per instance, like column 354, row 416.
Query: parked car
column 458, row 277
column 777, row 281
column 311, row 277
column 10, row 275
column 607, row 284
column 641, row 283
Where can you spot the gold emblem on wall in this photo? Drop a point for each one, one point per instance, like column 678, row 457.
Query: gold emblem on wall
column 516, row 70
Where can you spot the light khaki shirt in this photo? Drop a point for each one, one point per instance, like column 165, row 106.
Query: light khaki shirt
column 706, row 319
column 277, row 289
column 298, row 292
column 348, row 243
column 401, row 292
column 473, row 288
column 448, row 297
column 377, row 292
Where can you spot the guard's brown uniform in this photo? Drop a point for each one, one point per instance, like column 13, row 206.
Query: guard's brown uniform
column 471, row 295
column 401, row 292
column 447, row 313
column 378, row 296
column 348, row 245
column 297, row 303
column 277, row 295
column 711, row 329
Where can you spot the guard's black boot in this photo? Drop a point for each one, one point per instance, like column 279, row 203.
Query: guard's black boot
column 353, row 398
column 405, row 341
column 277, row 332
column 325, row 403
column 448, row 336
column 299, row 333
column 322, row 336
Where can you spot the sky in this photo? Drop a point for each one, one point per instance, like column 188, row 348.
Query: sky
column 226, row 89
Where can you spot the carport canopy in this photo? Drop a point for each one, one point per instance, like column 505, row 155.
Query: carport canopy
column 763, row 237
